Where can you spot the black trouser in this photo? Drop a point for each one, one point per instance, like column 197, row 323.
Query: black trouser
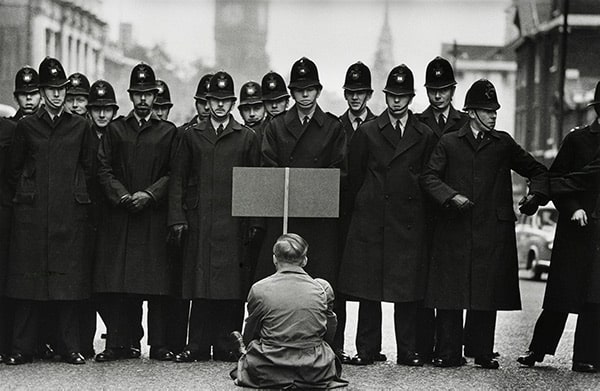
column 478, row 334
column 426, row 332
column 405, row 327
column 123, row 317
column 29, row 320
column 368, row 333
column 551, row 324
column 6, row 324
column 339, row 307
column 177, row 328
column 211, row 322
column 87, row 325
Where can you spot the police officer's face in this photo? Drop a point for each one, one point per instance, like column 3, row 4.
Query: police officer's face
column 440, row 98
column 28, row 102
column 202, row 108
column 162, row 111
column 306, row 98
column 483, row 119
column 277, row 106
column 220, row 108
column 357, row 100
column 54, row 97
column 253, row 113
column 102, row 115
column 76, row 104
column 142, row 102
column 398, row 104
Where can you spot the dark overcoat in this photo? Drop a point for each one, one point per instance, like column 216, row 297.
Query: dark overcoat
column 474, row 258
column 347, row 125
column 346, row 197
column 319, row 144
column 200, row 196
column 7, row 130
column 572, row 249
column 50, row 165
column 456, row 120
column 385, row 257
column 131, row 253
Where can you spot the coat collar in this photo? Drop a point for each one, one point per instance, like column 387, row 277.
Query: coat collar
column 208, row 132
column 595, row 127
column 466, row 132
column 292, row 121
column 409, row 137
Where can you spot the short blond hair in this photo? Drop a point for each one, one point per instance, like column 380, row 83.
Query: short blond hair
column 290, row 248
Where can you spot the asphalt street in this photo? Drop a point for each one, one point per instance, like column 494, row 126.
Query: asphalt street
column 513, row 332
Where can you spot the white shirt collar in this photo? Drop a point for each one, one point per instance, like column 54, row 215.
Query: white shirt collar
column 216, row 124
column 402, row 120
column 309, row 115
column 139, row 119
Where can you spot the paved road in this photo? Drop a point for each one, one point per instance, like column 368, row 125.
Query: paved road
column 512, row 336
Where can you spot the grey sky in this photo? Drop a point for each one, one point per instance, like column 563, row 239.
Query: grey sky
column 334, row 33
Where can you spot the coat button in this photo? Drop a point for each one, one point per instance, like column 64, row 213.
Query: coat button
column 409, row 226
column 410, row 198
column 315, row 160
column 387, row 197
column 291, row 158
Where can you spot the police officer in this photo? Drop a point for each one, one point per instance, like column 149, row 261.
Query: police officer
column 78, row 90
column 26, row 93
column 388, row 230
column 102, row 108
column 305, row 137
column 441, row 117
column 568, row 286
column 7, row 129
column 162, row 106
column 50, row 165
column 474, row 259
column 131, row 255
column 214, row 275
column 275, row 95
column 251, row 107
column 357, row 92
column 202, row 109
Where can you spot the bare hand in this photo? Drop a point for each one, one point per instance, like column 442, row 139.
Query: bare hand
column 580, row 217
column 460, row 202
column 139, row 200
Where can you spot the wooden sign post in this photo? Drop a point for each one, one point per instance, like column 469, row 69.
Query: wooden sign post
column 285, row 192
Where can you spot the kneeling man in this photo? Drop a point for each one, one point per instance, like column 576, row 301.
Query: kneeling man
column 290, row 318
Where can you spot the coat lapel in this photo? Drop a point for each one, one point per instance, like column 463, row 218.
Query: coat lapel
column 430, row 121
column 466, row 134
column 488, row 139
column 453, row 117
column 387, row 130
column 293, row 124
column 206, row 130
column 231, row 127
column 409, row 138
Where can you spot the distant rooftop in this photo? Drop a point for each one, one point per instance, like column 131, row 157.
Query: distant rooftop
column 477, row 52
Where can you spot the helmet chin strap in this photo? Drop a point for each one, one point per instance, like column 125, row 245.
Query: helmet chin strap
column 481, row 122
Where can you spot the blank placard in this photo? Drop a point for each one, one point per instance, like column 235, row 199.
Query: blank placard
column 258, row 192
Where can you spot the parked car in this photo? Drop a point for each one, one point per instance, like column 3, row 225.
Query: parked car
column 535, row 237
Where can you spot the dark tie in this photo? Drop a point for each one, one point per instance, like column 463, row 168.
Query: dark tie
column 441, row 122
column 305, row 120
column 398, row 129
column 357, row 121
column 142, row 123
column 219, row 130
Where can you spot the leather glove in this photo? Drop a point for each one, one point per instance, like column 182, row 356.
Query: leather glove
column 528, row 205
column 460, row 203
column 176, row 233
column 580, row 217
column 139, row 200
